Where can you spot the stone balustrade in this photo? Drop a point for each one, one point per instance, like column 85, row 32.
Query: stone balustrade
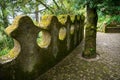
column 38, row 48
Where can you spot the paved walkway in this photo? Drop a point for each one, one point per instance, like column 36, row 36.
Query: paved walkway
column 105, row 67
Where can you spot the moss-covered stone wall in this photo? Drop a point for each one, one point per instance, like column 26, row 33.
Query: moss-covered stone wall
column 38, row 48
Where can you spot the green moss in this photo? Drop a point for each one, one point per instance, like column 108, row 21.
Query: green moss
column 4, row 51
column 45, row 21
column 72, row 17
column 92, row 50
column 78, row 17
column 90, row 38
column 89, row 53
column 62, row 19
column 36, row 23
column 14, row 26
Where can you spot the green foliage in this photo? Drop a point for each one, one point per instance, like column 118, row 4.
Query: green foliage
column 57, row 7
column 6, row 43
column 115, row 18
column 92, row 51
column 109, row 7
column 107, row 20
column 39, row 39
column 70, row 7
column 4, row 51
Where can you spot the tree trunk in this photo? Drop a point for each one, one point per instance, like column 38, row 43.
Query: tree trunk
column 90, row 33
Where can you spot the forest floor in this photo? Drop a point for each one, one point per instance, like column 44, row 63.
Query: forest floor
column 105, row 67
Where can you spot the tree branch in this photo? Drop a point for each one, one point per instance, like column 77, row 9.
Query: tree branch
column 62, row 4
column 56, row 4
column 45, row 6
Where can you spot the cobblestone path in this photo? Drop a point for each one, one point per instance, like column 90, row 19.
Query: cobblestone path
column 105, row 67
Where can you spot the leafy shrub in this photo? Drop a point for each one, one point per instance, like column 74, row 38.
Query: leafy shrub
column 4, row 51
column 6, row 42
column 107, row 20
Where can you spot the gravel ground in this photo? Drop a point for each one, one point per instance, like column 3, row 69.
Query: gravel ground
column 105, row 67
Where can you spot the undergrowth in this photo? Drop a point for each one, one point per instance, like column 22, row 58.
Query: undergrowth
column 107, row 20
column 6, row 42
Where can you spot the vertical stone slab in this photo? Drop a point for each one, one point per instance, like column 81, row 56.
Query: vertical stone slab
column 62, row 37
column 77, row 30
column 48, row 54
column 54, row 31
column 25, row 32
column 82, row 19
column 72, row 32
column 76, row 33
column 62, row 44
column 81, row 28
column 72, row 46
column 68, row 24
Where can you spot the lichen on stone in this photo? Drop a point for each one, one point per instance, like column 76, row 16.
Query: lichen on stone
column 78, row 17
column 15, row 51
column 14, row 26
column 72, row 17
column 36, row 23
column 45, row 21
column 62, row 19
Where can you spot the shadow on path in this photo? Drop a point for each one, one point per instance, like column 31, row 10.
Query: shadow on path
column 73, row 67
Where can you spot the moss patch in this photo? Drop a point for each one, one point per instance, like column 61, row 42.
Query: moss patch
column 4, row 51
column 62, row 19
column 72, row 17
column 78, row 17
column 45, row 21
column 12, row 27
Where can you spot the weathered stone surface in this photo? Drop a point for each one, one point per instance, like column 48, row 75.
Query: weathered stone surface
column 30, row 60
